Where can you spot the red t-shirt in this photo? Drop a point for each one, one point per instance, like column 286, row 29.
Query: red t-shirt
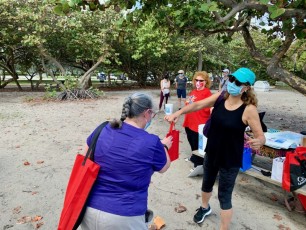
column 194, row 119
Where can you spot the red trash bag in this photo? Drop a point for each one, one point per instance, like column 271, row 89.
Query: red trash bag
column 294, row 172
column 174, row 150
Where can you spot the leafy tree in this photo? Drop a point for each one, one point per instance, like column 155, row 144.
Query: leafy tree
column 281, row 18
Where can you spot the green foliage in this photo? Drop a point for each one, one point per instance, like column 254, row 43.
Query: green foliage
column 50, row 93
column 71, row 82
column 275, row 11
column 97, row 92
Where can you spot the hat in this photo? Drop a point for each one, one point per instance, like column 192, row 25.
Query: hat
column 225, row 71
column 244, row 75
column 181, row 71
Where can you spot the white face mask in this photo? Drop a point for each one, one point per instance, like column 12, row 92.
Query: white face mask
column 199, row 85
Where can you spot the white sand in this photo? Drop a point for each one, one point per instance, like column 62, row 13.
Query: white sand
column 53, row 132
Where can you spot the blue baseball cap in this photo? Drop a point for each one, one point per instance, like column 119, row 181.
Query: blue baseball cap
column 244, row 75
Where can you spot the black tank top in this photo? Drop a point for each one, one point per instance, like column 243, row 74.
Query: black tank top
column 226, row 137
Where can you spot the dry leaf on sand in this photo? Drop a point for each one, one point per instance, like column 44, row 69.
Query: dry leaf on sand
column 180, row 209
column 24, row 219
column 17, row 210
column 38, row 225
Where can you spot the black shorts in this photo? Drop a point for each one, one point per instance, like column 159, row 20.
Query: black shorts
column 181, row 93
column 227, row 178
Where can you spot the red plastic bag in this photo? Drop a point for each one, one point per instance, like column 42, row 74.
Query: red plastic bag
column 302, row 199
column 80, row 183
column 174, row 150
column 294, row 174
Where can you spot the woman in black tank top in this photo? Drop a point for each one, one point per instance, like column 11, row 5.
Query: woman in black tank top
column 224, row 149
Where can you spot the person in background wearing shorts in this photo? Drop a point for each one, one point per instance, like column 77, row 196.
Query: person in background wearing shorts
column 181, row 84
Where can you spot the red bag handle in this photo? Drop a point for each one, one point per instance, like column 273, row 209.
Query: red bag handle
column 171, row 127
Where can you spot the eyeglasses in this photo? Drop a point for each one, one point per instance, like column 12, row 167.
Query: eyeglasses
column 153, row 114
column 232, row 79
column 199, row 80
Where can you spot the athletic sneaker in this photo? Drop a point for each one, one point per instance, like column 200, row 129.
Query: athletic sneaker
column 201, row 213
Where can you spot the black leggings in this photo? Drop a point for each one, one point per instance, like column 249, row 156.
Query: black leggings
column 193, row 139
column 162, row 98
column 227, row 179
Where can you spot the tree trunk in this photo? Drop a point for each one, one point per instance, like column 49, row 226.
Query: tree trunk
column 43, row 53
column 273, row 66
column 85, row 81
column 53, row 60
column 6, row 82
column 40, row 79
column 287, row 77
column 15, row 77
column 200, row 61
column 52, row 75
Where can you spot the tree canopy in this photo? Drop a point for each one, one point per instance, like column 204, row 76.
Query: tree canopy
column 277, row 19
column 149, row 37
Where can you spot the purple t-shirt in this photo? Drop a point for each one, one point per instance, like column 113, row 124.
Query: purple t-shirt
column 128, row 157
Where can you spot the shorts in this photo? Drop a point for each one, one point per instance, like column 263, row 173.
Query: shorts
column 181, row 93
column 95, row 219
column 227, row 178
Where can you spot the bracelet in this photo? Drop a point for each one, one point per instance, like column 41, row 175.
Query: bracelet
column 166, row 147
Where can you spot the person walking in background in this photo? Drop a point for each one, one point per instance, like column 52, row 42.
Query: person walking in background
column 128, row 156
column 225, row 140
column 202, row 83
column 181, row 85
column 224, row 80
column 164, row 90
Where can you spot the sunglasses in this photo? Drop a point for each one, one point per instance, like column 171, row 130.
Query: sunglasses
column 232, row 79
column 199, row 80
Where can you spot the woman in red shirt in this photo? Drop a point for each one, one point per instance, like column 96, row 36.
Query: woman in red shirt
column 201, row 82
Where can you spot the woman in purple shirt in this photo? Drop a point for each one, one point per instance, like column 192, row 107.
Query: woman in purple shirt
column 128, row 156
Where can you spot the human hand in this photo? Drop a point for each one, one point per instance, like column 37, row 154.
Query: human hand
column 172, row 118
column 167, row 141
column 254, row 143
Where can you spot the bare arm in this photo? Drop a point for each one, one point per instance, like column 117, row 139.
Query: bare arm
column 251, row 118
column 219, row 86
column 205, row 103
column 161, row 85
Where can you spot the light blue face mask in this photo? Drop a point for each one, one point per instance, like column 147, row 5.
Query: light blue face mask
column 233, row 89
column 147, row 124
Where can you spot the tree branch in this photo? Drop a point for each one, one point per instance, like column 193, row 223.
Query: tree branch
column 251, row 5
column 52, row 59
column 252, row 47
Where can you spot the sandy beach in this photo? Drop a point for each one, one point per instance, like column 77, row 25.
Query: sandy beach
column 39, row 141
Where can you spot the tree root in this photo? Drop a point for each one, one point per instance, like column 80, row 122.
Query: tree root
column 75, row 94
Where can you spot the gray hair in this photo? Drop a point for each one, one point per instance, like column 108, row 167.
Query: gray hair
column 133, row 106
